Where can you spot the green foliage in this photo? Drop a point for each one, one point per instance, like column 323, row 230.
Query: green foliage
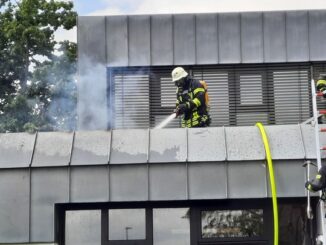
column 27, row 31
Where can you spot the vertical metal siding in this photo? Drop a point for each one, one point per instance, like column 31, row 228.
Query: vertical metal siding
column 229, row 38
column 206, row 39
column 184, row 39
column 274, row 37
column 161, row 40
column 297, row 43
column 117, row 40
column 139, row 40
column 252, row 38
column 317, row 35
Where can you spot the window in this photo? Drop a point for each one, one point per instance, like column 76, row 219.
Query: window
column 232, row 223
column 171, row 226
column 239, row 95
column 127, row 224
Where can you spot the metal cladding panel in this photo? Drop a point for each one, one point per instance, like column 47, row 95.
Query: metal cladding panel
column 229, row 38
column 14, row 206
column 184, row 39
column 129, row 146
column 52, row 149
column 252, row 45
column 139, row 40
column 168, row 145
column 274, row 37
column 247, row 180
column 206, row 39
column 89, row 184
column 317, row 35
column 161, row 40
column 117, row 40
column 168, row 182
column 207, row 181
column 285, row 142
column 212, row 150
column 16, row 150
column 244, row 143
column 49, row 186
column 309, row 142
column 92, row 81
column 129, row 183
column 297, row 42
column 91, row 40
column 290, row 178
column 83, row 227
column 91, row 148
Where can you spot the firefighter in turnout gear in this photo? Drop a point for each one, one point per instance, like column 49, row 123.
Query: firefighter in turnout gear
column 321, row 84
column 319, row 182
column 192, row 100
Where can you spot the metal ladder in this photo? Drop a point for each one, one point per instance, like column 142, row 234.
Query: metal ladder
column 314, row 123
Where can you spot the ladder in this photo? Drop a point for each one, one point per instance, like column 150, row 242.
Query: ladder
column 314, row 123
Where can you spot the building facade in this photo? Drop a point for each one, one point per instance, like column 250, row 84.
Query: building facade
column 117, row 181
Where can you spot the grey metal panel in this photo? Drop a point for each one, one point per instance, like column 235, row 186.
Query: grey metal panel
column 49, row 186
column 213, row 149
column 139, row 40
column 244, row 143
column 89, row 184
column 297, row 42
column 14, row 206
column 83, row 227
column 168, row 145
column 184, row 39
column 161, row 40
column 16, row 150
column 92, row 82
column 129, row 146
column 129, row 183
column 91, row 40
column 247, row 180
column 229, row 38
column 168, row 181
column 117, row 40
column 252, row 44
column 274, row 37
column 317, row 33
column 207, row 180
column 206, row 39
column 308, row 136
column 52, row 149
column 91, row 148
column 290, row 178
column 285, row 142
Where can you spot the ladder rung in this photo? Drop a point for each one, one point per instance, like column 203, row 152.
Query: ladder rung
column 322, row 112
column 323, row 148
column 323, row 130
column 319, row 94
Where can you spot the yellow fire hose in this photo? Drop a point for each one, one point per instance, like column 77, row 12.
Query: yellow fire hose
column 271, row 178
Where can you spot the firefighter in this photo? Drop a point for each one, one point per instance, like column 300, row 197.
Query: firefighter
column 319, row 182
column 321, row 84
column 192, row 99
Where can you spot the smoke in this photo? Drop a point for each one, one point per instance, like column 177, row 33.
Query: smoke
column 122, row 102
column 92, row 96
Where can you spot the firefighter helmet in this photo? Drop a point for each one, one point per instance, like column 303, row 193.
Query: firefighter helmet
column 178, row 73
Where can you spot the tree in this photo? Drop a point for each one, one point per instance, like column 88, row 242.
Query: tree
column 27, row 32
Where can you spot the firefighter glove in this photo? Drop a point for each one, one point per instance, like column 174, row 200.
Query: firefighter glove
column 181, row 109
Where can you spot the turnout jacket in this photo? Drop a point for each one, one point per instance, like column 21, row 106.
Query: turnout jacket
column 193, row 95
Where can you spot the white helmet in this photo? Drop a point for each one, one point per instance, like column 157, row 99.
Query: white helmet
column 178, row 73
